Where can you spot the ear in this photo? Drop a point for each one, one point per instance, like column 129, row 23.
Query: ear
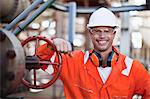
column 89, row 31
column 114, row 32
column 89, row 34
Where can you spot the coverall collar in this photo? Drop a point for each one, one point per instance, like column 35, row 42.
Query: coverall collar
column 114, row 75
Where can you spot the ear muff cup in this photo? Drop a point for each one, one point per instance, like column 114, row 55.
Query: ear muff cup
column 96, row 58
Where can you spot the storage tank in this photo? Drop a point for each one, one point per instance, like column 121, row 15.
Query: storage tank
column 11, row 8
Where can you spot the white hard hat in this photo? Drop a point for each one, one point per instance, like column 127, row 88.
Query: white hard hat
column 102, row 17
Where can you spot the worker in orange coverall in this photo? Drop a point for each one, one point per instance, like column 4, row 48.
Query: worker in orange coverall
column 102, row 72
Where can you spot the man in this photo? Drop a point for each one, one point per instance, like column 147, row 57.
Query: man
column 102, row 72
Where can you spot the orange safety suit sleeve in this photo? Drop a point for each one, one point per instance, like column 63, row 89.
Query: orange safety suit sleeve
column 45, row 53
column 142, row 80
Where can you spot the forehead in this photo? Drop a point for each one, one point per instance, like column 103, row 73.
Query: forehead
column 102, row 27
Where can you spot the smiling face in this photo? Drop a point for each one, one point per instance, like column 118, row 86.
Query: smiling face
column 102, row 38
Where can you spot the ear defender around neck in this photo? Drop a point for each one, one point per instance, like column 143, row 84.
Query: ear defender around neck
column 97, row 60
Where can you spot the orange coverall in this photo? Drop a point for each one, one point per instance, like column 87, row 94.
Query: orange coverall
column 82, row 81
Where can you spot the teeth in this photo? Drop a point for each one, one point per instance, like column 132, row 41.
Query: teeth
column 102, row 42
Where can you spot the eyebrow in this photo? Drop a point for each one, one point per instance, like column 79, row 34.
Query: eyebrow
column 103, row 29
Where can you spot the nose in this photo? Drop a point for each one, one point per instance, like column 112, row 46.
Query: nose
column 101, row 34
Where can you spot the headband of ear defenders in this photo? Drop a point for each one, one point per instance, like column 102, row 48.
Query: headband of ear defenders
column 97, row 60
column 109, row 58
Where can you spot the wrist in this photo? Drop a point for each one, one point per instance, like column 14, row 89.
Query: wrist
column 54, row 38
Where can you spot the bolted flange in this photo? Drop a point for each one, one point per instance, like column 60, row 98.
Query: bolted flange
column 11, row 54
column 2, row 36
column 10, row 76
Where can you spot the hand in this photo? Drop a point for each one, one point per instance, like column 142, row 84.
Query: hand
column 62, row 45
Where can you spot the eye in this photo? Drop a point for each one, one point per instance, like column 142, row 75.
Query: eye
column 97, row 31
column 106, row 31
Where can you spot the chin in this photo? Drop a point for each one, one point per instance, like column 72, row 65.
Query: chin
column 101, row 49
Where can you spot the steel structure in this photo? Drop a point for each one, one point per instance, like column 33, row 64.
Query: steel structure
column 64, row 8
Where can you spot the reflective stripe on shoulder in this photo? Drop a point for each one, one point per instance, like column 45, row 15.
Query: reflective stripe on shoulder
column 128, row 62
column 86, row 56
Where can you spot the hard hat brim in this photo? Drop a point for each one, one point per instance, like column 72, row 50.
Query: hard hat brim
column 91, row 26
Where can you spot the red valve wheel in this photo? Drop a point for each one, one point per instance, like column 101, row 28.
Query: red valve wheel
column 36, row 63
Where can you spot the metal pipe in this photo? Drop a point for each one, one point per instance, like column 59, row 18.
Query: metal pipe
column 87, row 10
column 31, row 18
column 129, row 8
column 23, row 14
column 71, row 22
column 59, row 7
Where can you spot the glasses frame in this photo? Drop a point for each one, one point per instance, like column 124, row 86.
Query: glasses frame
column 99, row 31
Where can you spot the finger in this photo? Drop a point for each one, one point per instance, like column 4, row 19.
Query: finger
column 51, row 40
column 58, row 47
column 62, row 47
column 70, row 54
column 65, row 47
column 69, row 47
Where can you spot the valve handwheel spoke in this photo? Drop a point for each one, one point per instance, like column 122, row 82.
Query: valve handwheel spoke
column 48, row 63
column 36, row 45
column 34, row 77
column 34, row 63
